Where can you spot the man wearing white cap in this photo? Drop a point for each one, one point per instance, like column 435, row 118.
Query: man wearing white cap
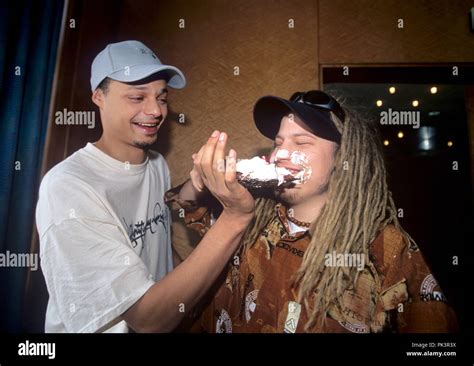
column 103, row 226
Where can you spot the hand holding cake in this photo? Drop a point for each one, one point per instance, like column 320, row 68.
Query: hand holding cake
column 218, row 174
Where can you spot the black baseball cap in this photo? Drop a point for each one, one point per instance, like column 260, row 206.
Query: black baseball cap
column 312, row 107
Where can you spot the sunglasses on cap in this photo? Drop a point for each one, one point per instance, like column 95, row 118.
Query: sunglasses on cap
column 319, row 99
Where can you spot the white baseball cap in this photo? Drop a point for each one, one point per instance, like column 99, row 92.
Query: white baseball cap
column 130, row 61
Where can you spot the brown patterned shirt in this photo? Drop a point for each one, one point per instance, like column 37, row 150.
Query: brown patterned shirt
column 395, row 291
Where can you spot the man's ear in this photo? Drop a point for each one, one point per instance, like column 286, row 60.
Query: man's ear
column 98, row 97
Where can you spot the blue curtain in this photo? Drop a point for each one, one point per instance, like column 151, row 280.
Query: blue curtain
column 29, row 34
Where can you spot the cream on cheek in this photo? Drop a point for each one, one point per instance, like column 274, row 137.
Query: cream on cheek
column 298, row 159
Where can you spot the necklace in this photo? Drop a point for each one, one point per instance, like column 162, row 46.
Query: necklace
column 298, row 222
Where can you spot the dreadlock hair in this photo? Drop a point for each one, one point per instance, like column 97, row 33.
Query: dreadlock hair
column 358, row 207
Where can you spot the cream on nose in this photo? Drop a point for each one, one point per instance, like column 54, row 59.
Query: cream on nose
column 279, row 154
column 282, row 154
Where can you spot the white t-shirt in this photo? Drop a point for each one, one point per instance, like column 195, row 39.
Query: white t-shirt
column 105, row 238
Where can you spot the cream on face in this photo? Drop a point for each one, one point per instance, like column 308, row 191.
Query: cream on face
column 299, row 160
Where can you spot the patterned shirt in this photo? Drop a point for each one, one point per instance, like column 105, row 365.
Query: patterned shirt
column 395, row 290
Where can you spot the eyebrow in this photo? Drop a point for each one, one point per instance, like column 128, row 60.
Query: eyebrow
column 145, row 88
column 297, row 135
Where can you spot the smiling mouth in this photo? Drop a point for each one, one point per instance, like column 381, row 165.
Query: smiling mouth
column 291, row 170
column 298, row 176
column 147, row 128
column 152, row 124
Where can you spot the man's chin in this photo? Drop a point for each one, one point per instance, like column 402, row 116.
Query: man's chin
column 144, row 145
column 288, row 196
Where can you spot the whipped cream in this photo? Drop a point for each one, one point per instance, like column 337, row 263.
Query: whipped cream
column 257, row 168
column 298, row 159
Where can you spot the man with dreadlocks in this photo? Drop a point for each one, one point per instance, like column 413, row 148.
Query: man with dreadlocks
column 326, row 254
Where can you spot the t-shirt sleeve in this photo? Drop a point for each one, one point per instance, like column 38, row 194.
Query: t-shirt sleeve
column 92, row 273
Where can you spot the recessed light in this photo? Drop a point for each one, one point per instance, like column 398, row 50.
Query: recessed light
column 400, row 135
column 379, row 103
column 392, row 90
column 433, row 90
column 415, row 103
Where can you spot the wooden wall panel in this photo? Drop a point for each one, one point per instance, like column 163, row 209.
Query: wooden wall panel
column 365, row 31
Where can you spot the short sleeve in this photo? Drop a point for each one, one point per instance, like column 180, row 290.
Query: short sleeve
column 92, row 274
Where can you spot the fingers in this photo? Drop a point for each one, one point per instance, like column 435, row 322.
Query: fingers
column 210, row 166
column 219, row 165
column 207, row 158
column 220, row 176
column 196, row 177
column 196, row 180
column 230, row 171
column 197, row 165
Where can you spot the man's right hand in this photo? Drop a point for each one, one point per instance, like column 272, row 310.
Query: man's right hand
column 220, row 177
column 157, row 309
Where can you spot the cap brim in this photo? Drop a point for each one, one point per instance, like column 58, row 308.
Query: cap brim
column 269, row 111
column 174, row 77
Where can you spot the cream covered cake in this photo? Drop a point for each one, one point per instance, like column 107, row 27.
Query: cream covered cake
column 257, row 174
